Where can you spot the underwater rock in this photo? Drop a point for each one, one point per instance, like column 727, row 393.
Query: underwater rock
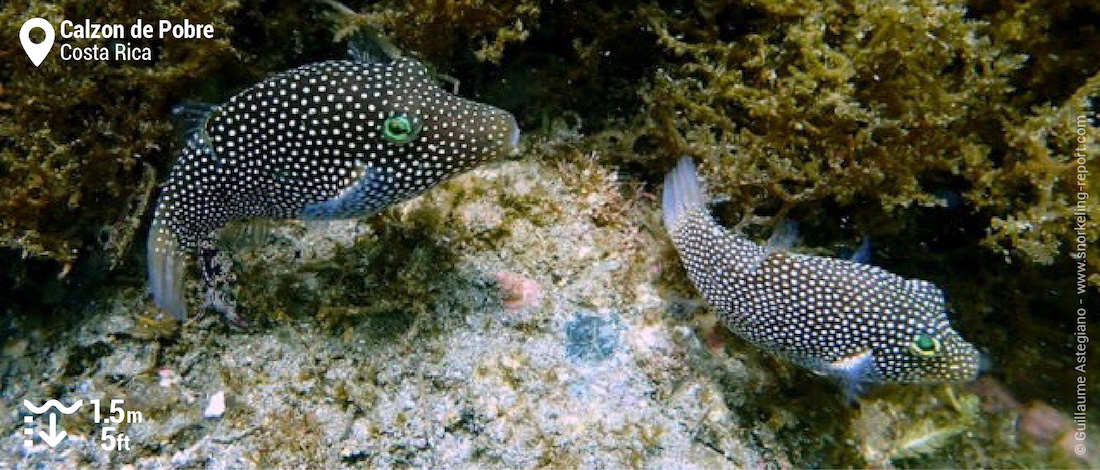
column 598, row 375
column 1043, row 424
column 128, row 360
column 215, row 406
column 592, row 338
column 857, row 108
column 518, row 291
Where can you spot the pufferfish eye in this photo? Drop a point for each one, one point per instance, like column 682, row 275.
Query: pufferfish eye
column 925, row 345
column 399, row 129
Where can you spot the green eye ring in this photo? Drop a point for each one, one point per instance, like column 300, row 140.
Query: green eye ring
column 399, row 129
column 925, row 345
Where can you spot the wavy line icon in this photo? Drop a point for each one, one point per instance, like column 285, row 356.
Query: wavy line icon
column 53, row 437
column 55, row 404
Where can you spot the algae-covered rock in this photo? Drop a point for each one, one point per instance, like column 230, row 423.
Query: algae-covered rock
column 609, row 369
column 878, row 107
column 448, row 376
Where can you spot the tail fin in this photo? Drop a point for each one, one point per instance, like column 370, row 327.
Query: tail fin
column 683, row 192
column 166, row 264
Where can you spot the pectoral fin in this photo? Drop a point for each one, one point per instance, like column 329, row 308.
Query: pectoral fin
column 853, row 371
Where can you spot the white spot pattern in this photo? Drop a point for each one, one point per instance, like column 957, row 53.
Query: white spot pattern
column 813, row 310
column 310, row 143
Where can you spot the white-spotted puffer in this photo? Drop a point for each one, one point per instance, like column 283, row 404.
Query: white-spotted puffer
column 330, row 140
column 855, row 322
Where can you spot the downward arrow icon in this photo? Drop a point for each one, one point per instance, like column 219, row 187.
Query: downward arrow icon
column 53, row 438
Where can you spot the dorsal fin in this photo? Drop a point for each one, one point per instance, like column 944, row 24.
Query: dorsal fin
column 784, row 236
column 369, row 46
column 193, row 116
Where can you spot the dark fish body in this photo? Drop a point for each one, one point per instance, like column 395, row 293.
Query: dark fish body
column 331, row 140
column 852, row 321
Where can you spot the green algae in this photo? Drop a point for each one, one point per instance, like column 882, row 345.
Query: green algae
column 441, row 31
column 83, row 143
column 77, row 136
column 389, row 277
column 876, row 108
column 790, row 106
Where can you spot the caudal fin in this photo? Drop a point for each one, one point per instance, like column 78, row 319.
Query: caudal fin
column 683, row 192
column 166, row 265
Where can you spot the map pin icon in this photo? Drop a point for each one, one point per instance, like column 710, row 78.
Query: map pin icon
column 37, row 52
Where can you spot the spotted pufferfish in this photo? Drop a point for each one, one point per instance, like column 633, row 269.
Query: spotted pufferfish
column 330, row 140
column 850, row 321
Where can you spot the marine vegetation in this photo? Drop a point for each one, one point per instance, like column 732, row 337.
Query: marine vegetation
column 879, row 108
column 82, row 144
column 887, row 120
column 437, row 30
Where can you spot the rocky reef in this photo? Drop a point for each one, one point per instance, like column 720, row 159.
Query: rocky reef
column 529, row 325
column 532, row 313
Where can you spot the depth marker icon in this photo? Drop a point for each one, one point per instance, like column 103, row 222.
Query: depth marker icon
column 53, row 438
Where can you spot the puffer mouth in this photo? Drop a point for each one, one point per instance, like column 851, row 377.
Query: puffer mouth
column 495, row 129
column 973, row 362
column 961, row 369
